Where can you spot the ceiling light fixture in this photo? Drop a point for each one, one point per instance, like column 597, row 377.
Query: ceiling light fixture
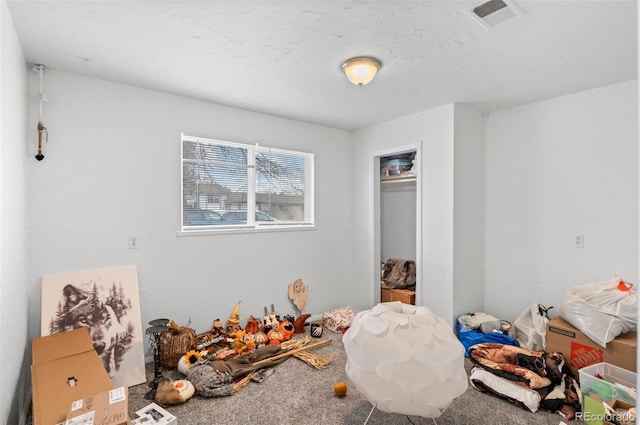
column 361, row 70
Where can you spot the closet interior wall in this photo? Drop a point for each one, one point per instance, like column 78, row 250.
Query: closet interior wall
column 398, row 209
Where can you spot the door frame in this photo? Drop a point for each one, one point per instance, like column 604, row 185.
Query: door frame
column 374, row 225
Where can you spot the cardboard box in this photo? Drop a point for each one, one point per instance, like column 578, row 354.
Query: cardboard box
column 594, row 413
column 65, row 368
column 158, row 414
column 622, row 415
column 580, row 351
column 108, row 408
column 403, row 295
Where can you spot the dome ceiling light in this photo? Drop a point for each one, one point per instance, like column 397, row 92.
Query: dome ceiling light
column 361, row 70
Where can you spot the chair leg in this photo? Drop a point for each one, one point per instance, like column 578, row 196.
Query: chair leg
column 372, row 409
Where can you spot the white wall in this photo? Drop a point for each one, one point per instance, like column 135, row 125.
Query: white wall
column 112, row 168
column 433, row 130
column 555, row 169
column 552, row 169
column 398, row 220
column 14, row 288
column 451, row 177
column 468, row 228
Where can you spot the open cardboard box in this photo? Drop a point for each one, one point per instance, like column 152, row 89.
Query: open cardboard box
column 622, row 412
column 594, row 412
column 109, row 407
column 65, row 368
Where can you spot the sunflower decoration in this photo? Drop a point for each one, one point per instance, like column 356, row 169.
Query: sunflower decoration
column 192, row 357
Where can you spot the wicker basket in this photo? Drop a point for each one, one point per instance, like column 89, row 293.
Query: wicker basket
column 174, row 343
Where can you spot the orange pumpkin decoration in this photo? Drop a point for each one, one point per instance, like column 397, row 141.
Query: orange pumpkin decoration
column 276, row 334
column 340, row 389
column 260, row 338
column 286, row 328
column 252, row 325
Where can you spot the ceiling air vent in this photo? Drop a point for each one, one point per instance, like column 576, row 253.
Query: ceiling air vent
column 494, row 12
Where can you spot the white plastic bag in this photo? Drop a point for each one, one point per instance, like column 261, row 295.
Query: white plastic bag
column 601, row 310
column 531, row 327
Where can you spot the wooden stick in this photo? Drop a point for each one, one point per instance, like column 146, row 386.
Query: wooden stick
column 290, row 352
column 244, row 381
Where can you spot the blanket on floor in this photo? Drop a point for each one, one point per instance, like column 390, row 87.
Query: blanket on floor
column 546, row 373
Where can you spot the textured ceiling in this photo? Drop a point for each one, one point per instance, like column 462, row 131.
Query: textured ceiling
column 283, row 57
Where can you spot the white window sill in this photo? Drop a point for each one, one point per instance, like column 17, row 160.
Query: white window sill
column 242, row 230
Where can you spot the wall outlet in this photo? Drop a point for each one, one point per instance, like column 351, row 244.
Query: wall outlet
column 578, row 240
column 133, row 242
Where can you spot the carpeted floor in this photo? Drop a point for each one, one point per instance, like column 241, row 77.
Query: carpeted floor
column 298, row 394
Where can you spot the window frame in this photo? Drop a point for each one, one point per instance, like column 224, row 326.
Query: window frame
column 251, row 225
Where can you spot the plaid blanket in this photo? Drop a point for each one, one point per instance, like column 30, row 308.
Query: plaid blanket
column 546, row 373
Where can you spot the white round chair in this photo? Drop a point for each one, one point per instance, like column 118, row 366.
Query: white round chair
column 404, row 359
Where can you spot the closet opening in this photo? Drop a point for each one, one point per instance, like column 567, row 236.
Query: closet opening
column 397, row 231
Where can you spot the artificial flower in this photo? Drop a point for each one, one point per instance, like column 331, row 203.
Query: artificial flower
column 192, row 357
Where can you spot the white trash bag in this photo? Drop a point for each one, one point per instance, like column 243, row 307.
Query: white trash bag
column 531, row 327
column 601, row 310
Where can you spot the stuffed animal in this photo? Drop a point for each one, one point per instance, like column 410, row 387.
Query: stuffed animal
column 174, row 392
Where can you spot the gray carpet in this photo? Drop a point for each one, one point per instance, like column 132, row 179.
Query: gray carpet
column 298, row 394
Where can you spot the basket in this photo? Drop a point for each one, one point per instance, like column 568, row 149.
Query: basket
column 174, row 343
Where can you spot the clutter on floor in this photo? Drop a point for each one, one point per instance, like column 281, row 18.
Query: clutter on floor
column 406, row 296
column 581, row 351
column 531, row 379
column 398, row 273
column 174, row 392
column 398, row 281
column 602, row 310
column 478, row 327
column 109, row 407
column 580, row 364
column 174, row 342
column 531, row 327
column 154, row 414
column 70, row 381
column 338, row 320
column 65, row 368
column 534, row 362
column 340, row 389
column 609, row 394
column 221, row 361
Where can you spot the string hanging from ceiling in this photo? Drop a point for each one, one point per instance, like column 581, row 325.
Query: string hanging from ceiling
column 39, row 68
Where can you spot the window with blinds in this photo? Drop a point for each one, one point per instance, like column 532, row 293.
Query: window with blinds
column 228, row 185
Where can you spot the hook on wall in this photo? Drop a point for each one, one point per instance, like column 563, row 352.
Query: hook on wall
column 39, row 68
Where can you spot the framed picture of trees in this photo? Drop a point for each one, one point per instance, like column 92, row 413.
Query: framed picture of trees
column 106, row 301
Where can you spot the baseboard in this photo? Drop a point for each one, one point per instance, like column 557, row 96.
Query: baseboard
column 26, row 409
column 314, row 318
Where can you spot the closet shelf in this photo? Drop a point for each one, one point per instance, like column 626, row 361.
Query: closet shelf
column 397, row 179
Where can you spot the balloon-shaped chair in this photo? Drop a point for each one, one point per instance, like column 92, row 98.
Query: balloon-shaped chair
column 404, row 359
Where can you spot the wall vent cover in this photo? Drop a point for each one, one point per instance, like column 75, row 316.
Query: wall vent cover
column 494, row 12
